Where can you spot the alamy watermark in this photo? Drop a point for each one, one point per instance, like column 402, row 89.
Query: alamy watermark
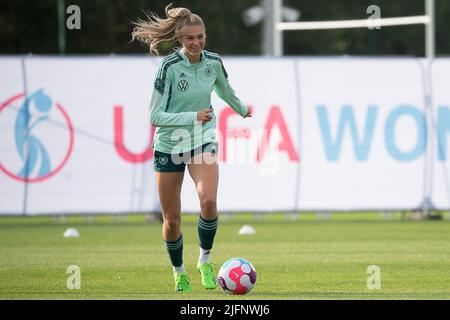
column 254, row 147
column 74, row 20
column 74, row 280
column 374, row 20
column 374, row 279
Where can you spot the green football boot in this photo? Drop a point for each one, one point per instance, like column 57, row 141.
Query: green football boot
column 182, row 282
column 206, row 270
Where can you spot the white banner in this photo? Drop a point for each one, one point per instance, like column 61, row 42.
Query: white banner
column 12, row 189
column 326, row 134
column 362, row 133
column 440, row 185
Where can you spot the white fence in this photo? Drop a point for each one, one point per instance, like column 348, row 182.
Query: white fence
column 342, row 134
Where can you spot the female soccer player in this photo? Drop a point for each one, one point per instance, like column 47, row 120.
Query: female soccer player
column 185, row 125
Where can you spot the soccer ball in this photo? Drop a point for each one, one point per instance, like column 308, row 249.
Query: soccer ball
column 237, row 276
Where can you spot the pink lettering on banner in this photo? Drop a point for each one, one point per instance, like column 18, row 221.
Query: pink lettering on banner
column 275, row 118
column 229, row 133
column 119, row 144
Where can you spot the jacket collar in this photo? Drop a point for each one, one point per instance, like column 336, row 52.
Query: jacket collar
column 186, row 61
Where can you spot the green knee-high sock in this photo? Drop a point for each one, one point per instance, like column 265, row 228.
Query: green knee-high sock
column 206, row 232
column 175, row 250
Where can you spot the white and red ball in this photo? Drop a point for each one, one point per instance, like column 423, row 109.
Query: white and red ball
column 237, row 276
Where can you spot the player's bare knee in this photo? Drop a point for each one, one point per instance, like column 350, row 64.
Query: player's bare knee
column 209, row 206
column 172, row 223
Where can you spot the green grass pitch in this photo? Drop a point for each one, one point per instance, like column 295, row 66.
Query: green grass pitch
column 303, row 258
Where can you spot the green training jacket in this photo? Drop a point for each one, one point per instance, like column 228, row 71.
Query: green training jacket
column 181, row 89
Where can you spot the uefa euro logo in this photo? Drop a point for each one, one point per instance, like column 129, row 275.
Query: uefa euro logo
column 36, row 138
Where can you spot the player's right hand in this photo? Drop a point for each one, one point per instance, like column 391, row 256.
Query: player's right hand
column 204, row 116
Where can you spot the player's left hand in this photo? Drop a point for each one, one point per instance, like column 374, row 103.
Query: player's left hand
column 249, row 113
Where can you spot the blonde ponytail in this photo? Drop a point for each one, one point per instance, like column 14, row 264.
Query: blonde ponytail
column 155, row 30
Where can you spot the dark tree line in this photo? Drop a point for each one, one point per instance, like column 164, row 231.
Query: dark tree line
column 28, row 26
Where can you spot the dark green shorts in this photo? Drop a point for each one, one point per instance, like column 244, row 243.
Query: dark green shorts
column 166, row 162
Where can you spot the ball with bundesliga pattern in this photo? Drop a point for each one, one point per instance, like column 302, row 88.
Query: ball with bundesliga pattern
column 237, row 276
